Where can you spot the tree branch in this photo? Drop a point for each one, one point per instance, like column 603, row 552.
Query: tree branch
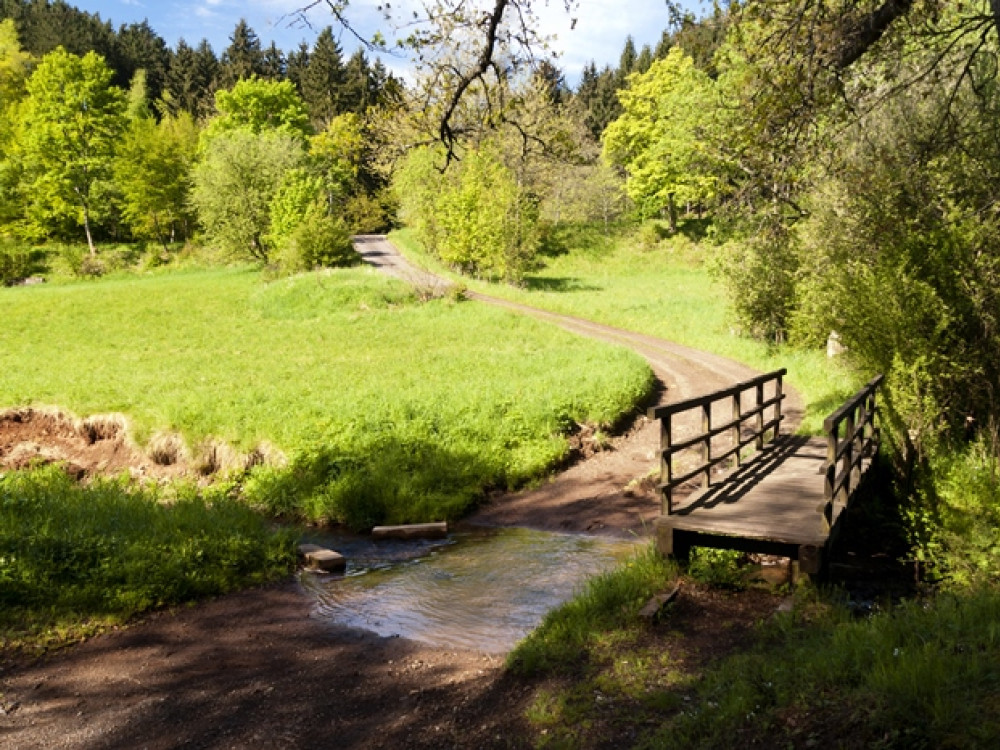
column 865, row 32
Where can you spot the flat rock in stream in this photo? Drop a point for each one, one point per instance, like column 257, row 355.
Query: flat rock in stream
column 320, row 558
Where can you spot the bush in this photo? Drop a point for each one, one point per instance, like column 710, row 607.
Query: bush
column 318, row 241
column 475, row 217
column 16, row 264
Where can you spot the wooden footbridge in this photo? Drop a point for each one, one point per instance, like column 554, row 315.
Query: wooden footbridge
column 760, row 491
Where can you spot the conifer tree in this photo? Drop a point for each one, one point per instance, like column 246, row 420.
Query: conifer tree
column 243, row 57
column 274, row 64
column 323, row 79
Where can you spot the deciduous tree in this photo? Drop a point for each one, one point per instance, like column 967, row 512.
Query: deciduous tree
column 71, row 123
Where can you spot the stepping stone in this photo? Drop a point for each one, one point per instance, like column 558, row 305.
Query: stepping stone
column 320, row 558
column 412, row 531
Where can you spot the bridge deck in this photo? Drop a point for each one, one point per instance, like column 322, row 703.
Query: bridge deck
column 773, row 504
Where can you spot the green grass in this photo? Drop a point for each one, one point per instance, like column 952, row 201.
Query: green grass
column 607, row 607
column 926, row 674
column 389, row 409
column 667, row 292
column 74, row 558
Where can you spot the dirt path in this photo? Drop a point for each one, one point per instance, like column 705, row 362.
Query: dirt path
column 611, row 492
column 255, row 670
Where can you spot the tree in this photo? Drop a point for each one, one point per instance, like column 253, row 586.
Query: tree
column 234, row 184
column 296, row 65
column 138, row 47
column 662, row 136
column 243, row 58
column 15, row 66
column 152, row 170
column 322, row 80
column 71, row 123
column 257, row 105
column 274, row 65
column 476, row 217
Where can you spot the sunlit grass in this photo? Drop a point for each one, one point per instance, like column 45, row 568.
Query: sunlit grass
column 667, row 292
column 75, row 558
column 388, row 408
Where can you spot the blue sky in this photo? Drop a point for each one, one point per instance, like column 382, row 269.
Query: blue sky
column 600, row 32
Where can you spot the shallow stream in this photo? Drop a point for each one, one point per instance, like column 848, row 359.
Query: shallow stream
column 481, row 589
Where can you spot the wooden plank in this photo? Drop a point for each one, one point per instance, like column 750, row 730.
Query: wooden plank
column 412, row 531
column 692, row 403
column 651, row 610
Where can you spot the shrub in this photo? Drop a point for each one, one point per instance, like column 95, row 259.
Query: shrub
column 318, row 241
column 16, row 264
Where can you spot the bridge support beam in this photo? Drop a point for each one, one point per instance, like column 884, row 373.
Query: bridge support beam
column 810, row 559
column 669, row 541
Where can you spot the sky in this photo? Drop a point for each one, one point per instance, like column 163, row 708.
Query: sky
column 599, row 34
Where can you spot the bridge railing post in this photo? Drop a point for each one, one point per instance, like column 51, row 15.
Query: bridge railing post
column 778, row 393
column 760, row 417
column 848, row 465
column 666, row 466
column 706, row 430
column 737, row 424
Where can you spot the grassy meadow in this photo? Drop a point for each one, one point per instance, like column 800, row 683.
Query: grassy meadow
column 663, row 288
column 389, row 409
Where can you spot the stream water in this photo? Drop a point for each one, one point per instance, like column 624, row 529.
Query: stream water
column 481, row 589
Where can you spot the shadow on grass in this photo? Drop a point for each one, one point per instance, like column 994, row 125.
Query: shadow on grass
column 558, row 284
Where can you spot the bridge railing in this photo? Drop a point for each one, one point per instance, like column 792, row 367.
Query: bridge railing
column 848, row 449
column 755, row 416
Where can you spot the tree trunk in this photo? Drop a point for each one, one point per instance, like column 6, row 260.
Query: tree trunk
column 86, row 228
column 672, row 212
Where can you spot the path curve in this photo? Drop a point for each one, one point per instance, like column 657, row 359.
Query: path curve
column 611, row 492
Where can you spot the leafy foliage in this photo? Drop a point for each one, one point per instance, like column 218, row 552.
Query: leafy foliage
column 70, row 124
column 153, row 170
column 259, row 105
column 234, row 184
column 662, row 136
column 475, row 217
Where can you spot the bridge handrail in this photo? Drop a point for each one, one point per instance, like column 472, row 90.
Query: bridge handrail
column 860, row 441
column 668, row 448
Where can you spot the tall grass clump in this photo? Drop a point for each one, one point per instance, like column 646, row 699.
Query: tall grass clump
column 608, row 604
column 955, row 516
column 106, row 551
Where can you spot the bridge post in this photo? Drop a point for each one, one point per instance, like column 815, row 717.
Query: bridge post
column 706, row 429
column 737, row 423
column 777, row 408
column 760, row 417
column 666, row 467
column 849, row 442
